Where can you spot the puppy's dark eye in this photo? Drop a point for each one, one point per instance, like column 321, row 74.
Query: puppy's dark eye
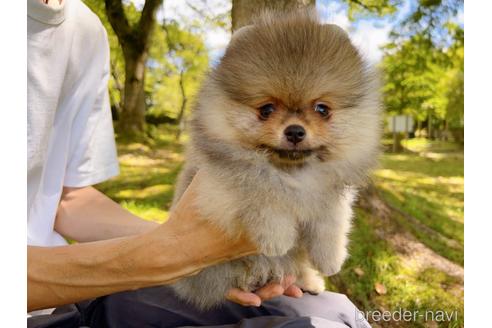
column 322, row 109
column 266, row 110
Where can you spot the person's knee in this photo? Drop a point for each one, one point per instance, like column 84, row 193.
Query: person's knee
column 340, row 300
column 346, row 310
column 335, row 304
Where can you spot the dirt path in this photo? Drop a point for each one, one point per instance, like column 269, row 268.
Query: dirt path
column 412, row 250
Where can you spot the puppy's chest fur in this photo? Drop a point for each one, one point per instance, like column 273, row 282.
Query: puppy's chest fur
column 264, row 192
column 280, row 211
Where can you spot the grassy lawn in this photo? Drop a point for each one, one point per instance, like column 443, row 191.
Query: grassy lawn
column 148, row 171
column 426, row 182
column 377, row 277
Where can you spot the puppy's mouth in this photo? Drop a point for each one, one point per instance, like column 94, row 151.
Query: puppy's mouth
column 293, row 154
column 290, row 155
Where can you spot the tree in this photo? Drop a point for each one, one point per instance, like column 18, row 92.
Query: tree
column 188, row 59
column 362, row 8
column 134, row 40
column 455, row 109
column 423, row 65
column 431, row 18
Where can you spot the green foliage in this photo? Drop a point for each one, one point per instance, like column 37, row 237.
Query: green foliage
column 423, row 66
column 455, row 93
column 176, row 52
column 185, row 62
column 430, row 17
column 361, row 8
column 411, row 76
column 455, row 109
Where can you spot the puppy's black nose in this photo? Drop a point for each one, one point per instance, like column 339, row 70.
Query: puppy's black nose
column 295, row 133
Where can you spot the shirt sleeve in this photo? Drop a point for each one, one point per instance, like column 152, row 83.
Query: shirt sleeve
column 92, row 156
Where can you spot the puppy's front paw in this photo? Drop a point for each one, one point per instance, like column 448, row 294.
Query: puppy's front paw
column 310, row 281
column 329, row 263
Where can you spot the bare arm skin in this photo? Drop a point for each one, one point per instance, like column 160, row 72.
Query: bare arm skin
column 182, row 246
column 83, row 209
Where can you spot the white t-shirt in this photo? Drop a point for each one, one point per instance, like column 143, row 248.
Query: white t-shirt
column 70, row 139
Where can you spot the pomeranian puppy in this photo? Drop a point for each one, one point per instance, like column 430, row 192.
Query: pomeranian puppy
column 286, row 127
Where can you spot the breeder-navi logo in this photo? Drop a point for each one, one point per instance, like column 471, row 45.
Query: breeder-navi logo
column 407, row 315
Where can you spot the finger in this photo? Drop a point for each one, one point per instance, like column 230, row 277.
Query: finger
column 270, row 291
column 287, row 281
column 293, row 291
column 243, row 298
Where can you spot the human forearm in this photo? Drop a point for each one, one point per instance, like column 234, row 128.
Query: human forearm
column 182, row 246
column 67, row 274
column 85, row 214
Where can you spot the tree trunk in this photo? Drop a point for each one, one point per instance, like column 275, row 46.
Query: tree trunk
column 132, row 120
column 244, row 10
column 407, row 133
column 134, row 40
column 445, row 135
column 429, row 127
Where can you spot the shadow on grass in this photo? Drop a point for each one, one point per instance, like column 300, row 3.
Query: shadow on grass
column 431, row 215
column 447, row 166
column 431, row 191
column 149, row 169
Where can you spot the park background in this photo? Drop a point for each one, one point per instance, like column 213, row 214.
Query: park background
column 407, row 244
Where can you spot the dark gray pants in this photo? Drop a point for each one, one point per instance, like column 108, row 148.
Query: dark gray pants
column 159, row 307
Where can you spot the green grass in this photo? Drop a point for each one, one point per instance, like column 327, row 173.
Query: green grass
column 421, row 145
column 425, row 182
column 148, row 171
column 408, row 287
column 429, row 187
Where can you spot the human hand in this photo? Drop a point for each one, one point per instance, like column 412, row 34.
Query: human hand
column 201, row 241
column 286, row 287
